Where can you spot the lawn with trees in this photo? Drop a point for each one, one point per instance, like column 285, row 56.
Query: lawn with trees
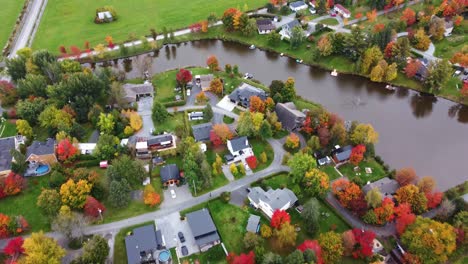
column 9, row 13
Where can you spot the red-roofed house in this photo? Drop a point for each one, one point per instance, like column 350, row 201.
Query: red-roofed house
column 342, row 11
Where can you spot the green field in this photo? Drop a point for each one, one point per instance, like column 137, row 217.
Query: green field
column 7, row 129
column 9, row 12
column 72, row 22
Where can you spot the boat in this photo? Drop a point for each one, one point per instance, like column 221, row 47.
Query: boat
column 299, row 61
column 334, row 73
column 281, row 54
column 390, row 87
column 252, row 47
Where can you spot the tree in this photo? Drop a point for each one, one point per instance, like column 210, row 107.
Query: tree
column 241, row 259
column 265, row 231
column 364, row 134
column 433, row 199
column 251, row 162
column 69, row 223
column 364, row 243
column 405, row 176
column 315, row 182
column 357, row 154
column 39, row 248
column 289, row 91
column 49, row 202
column 106, row 147
column 421, row 40
column 19, row 163
column 126, row 168
column 429, row 240
column 286, row 235
column 346, row 191
column 55, row 119
column 426, row 184
column 377, row 74
column 374, row 198
column 332, row 248
column 245, row 125
column 24, row 128
column 438, row 73
column 12, row 184
column 292, row 142
column 119, row 193
column 312, row 251
column 273, row 38
column 95, row 250
column 325, row 46
column 212, row 63
column 265, row 130
column 272, row 258
column 183, row 77
column 16, row 68
column 150, row 197
column 201, row 97
column 93, row 207
column 300, row 163
column 311, row 216
column 66, row 150
column 370, row 59
column 410, row 194
column 371, row 15
column 216, row 86
column 223, row 132
column 404, row 217
column 14, row 249
column 106, row 123
column 75, row 194
column 256, row 104
column 297, row 37
column 159, row 112
column 279, row 218
column 437, row 27
column 408, row 16
column 384, row 213
column 412, row 68
column 295, row 257
column 251, row 240
column 249, row 27
column 32, row 85
column 29, row 110
column 348, row 242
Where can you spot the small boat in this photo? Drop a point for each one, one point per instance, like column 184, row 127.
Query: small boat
column 252, row 47
column 390, row 87
column 334, row 73
column 299, row 61
column 281, row 54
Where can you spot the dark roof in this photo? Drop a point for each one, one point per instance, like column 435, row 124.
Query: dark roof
column 239, row 143
column 6, row 145
column 289, row 116
column 292, row 24
column 297, row 4
column 265, row 24
column 159, row 139
column 201, row 132
column 243, row 93
column 343, row 153
column 169, row 172
column 131, row 90
column 41, row 148
column 203, row 228
column 386, row 186
column 142, row 239
column 158, row 160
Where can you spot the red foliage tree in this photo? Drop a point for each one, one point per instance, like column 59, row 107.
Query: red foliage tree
column 92, row 207
column 183, row 77
column 457, row 20
column 358, row 205
column 379, row 27
column 412, row 67
column 372, row 15
column 13, row 184
column 364, row 243
column 5, row 221
column 65, row 149
column 357, row 154
column 215, row 139
column 279, row 218
column 358, row 15
column 212, row 63
column 434, row 199
column 408, row 16
column 324, row 136
column 464, row 90
column 252, row 162
column 389, row 50
column 404, row 220
column 249, row 258
column 384, row 213
column 14, row 248
column 314, row 246
column 75, row 50
column 307, row 126
column 63, row 50
column 405, row 176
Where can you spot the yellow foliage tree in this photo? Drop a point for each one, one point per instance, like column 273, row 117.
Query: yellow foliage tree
column 128, row 131
column 265, row 231
column 74, row 194
column 236, row 20
column 150, row 197
column 24, row 128
column 135, row 121
column 100, row 49
column 39, row 248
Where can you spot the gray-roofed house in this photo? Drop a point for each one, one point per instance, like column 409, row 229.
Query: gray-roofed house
column 265, row 26
column 142, row 244
column 287, row 28
column 201, row 132
column 161, row 142
column 241, row 95
column 387, row 187
column 238, row 146
column 253, row 223
column 170, row 174
column 42, row 152
column 6, row 145
column 203, row 229
column 291, row 119
column 133, row 92
column 297, row 6
column 271, row 200
column 342, row 154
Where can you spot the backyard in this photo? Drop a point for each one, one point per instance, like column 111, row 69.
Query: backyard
column 7, row 129
column 378, row 171
column 9, row 13
column 72, row 22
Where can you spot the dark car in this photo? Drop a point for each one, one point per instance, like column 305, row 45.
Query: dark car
column 184, row 250
column 181, row 237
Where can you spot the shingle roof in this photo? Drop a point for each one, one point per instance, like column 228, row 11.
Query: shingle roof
column 41, row 148
column 142, row 239
column 169, row 172
column 243, row 93
column 265, row 24
column 202, row 226
column 275, row 198
column 252, row 224
column 385, row 185
column 239, row 143
column 201, row 132
column 296, row 4
column 6, row 145
column 292, row 24
column 158, row 139
column 344, row 153
column 289, row 116
column 132, row 90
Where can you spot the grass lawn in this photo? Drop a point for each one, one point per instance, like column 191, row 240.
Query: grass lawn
column 329, row 21
column 175, row 260
column 120, row 252
column 330, row 170
column 258, row 147
column 7, row 129
column 9, row 13
column 25, row 204
column 452, row 44
column 171, row 123
column 377, row 171
column 228, row 120
column 280, row 134
column 72, row 22
column 215, row 255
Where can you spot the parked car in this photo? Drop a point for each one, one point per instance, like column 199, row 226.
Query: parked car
column 173, row 195
column 248, row 76
column 312, row 10
column 181, row 237
column 184, row 250
column 188, row 92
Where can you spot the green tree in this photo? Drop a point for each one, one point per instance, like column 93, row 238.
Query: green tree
column 438, row 73
column 208, row 112
column 314, row 143
column 296, row 257
column 24, row 128
column 286, row 235
column 429, row 240
column 19, row 163
column 126, row 168
column 364, row 134
column 289, row 91
column 39, row 248
column 249, row 28
column 49, row 202
column 251, row 240
column 337, row 133
column 95, row 251
column 55, row 119
column 106, row 147
column 300, row 163
column 374, row 198
column 205, row 173
column 16, row 68
column 371, row 58
column 245, row 125
column 265, row 130
column 116, row 95
column 356, row 42
column 272, row 258
column 437, row 27
column 297, row 37
column 273, row 38
column 32, row 85
column 332, row 247
column 316, row 182
column 106, row 123
column 159, row 112
column 69, row 223
column 311, row 216
column 119, row 193
column 70, row 66
column 30, row 110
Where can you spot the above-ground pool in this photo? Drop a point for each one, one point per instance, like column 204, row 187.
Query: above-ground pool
column 41, row 169
column 164, row 256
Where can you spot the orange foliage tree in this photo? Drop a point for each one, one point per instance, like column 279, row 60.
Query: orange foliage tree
column 13, row 184
column 384, row 213
column 371, row 15
column 357, row 154
column 408, row 16
column 213, row 63
column 346, row 191
column 257, row 104
column 150, row 197
column 412, row 68
column 292, row 141
column 405, row 176
column 216, row 86
column 223, row 132
column 404, row 217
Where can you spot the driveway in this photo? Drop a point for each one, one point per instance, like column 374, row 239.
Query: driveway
column 170, row 225
column 183, row 194
column 145, row 105
column 238, row 196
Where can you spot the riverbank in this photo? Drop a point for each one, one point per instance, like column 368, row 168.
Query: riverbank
column 304, row 53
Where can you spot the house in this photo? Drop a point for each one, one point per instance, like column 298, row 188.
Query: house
column 422, row 72
column 203, row 229
column 141, row 150
column 133, row 92
column 241, row 95
column 143, row 243
column 253, row 224
column 203, row 81
column 271, row 200
column 297, row 6
column 387, row 187
column 170, row 174
column 448, row 27
column 238, row 146
column 342, row 11
column 291, row 119
column 341, row 154
column 86, row 148
column 265, row 26
column 286, row 29
column 6, row 145
column 161, row 142
column 42, row 152
column 201, row 132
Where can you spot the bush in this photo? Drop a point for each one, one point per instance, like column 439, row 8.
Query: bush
column 370, row 217
column 87, row 163
column 174, row 103
column 226, row 196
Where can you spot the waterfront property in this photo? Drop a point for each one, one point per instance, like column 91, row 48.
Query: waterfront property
column 170, row 175
column 341, row 154
column 6, row 145
column 203, row 229
column 241, row 95
column 201, row 132
column 143, row 244
column 386, row 186
column 286, row 29
column 271, row 200
column 291, row 119
column 297, row 6
column 203, row 81
column 265, row 26
column 133, row 92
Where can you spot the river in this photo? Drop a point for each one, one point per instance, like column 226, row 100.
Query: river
column 427, row 133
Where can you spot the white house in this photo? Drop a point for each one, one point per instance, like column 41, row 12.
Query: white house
column 297, row 6
column 286, row 30
column 86, row 148
column 238, row 146
column 271, row 200
column 342, row 11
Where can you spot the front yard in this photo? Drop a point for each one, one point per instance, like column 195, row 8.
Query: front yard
column 259, row 146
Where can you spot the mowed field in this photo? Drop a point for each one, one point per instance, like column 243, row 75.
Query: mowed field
column 9, row 12
column 71, row 22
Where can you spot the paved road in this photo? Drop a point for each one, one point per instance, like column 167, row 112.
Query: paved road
column 428, row 54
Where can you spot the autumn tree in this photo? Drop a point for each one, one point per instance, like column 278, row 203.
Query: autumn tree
column 300, row 163
column 286, row 235
column 256, row 104
column 106, row 123
column 75, row 194
column 404, row 217
column 12, row 184
column 66, row 150
column 150, row 196
column 39, row 248
column 289, row 91
column 249, row 258
column 316, row 182
column 93, row 207
column 371, row 58
column 346, row 191
column 212, row 63
column 315, row 247
column 223, row 132
column 49, row 202
column 216, row 86
column 405, row 176
column 371, row 15
column 357, row 154
column 429, row 240
column 325, row 46
column 433, row 199
column 363, row 243
column 265, row 231
column 278, row 218
column 292, row 142
column 374, row 198
column 437, row 27
column 332, row 247
column 384, row 213
column 183, row 77
column 426, row 184
column 14, row 249
column 408, row 16
column 438, row 74
column 412, row 68
column 364, row 134
column 410, row 194
column 201, row 97
column 24, row 128
column 421, row 40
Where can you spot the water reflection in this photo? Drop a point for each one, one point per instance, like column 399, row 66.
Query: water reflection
column 460, row 111
column 422, row 104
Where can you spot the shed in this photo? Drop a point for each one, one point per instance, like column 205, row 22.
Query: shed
column 253, row 223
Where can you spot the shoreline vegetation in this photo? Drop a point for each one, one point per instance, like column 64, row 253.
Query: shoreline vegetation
column 334, row 62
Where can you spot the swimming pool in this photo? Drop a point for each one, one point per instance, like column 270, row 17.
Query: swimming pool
column 41, row 169
column 164, row 256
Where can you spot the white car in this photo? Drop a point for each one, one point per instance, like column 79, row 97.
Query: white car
column 188, row 92
column 173, row 195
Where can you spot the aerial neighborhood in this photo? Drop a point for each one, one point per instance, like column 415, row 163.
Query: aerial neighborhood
column 235, row 132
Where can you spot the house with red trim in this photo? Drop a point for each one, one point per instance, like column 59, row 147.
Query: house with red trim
column 342, row 11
